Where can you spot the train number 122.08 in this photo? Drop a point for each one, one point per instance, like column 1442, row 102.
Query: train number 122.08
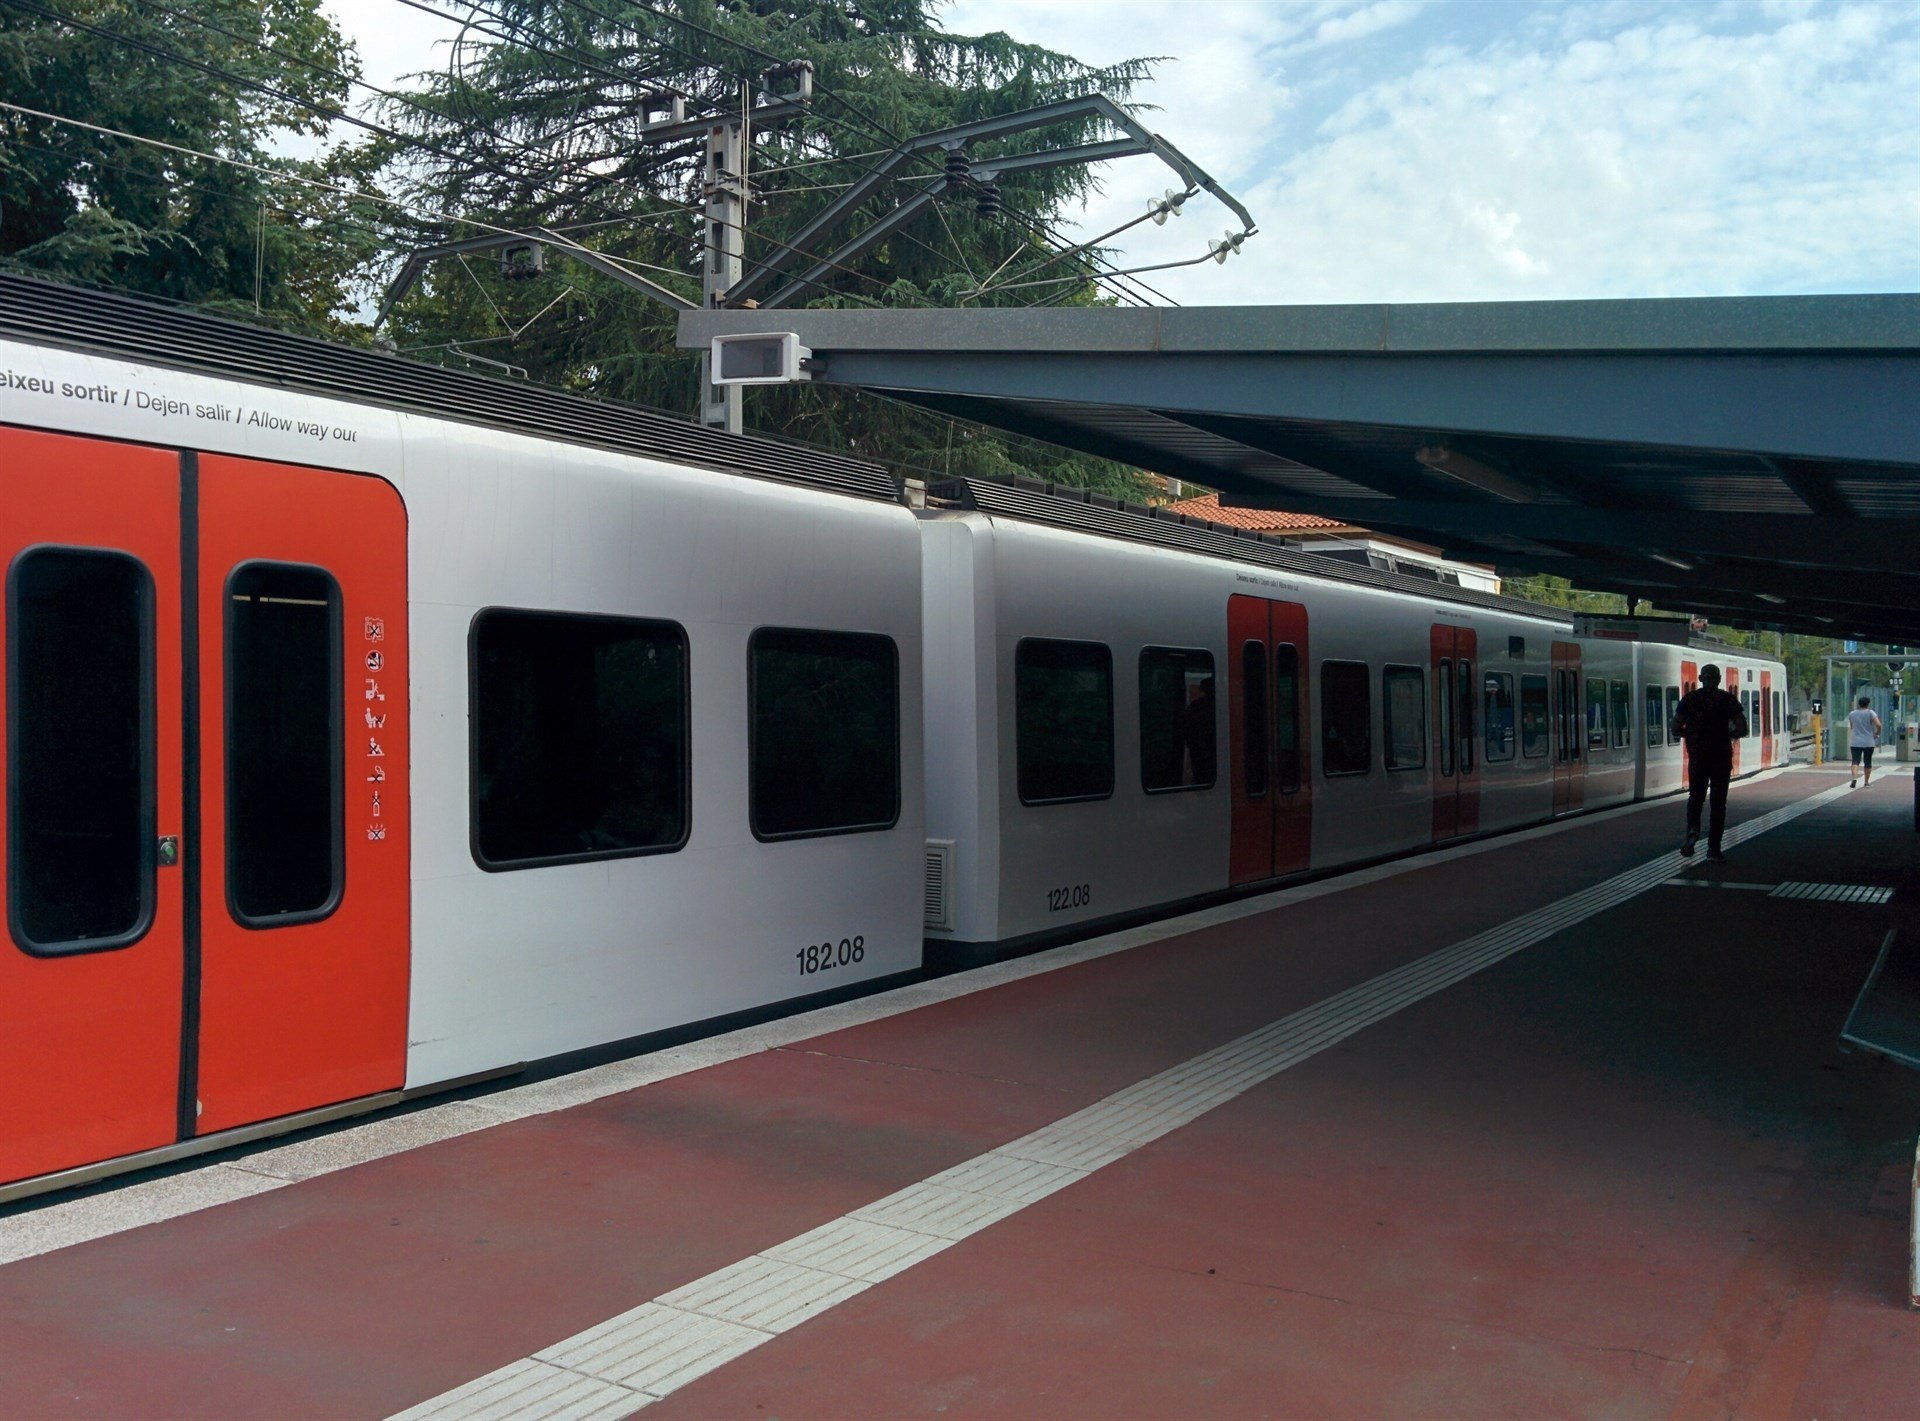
column 825, row 956
column 1078, row 895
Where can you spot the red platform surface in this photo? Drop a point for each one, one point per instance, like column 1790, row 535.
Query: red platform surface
column 1624, row 1173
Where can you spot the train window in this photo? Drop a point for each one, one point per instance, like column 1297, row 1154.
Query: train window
column 1177, row 721
column 579, row 737
column 1286, row 715
column 1253, row 719
column 1403, row 699
column 1442, row 714
column 1346, row 718
column 1496, row 694
column 1620, row 712
column 1464, row 729
column 825, row 732
column 80, row 757
column 1774, row 726
column 1596, row 713
column 1567, row 713
column 1673, row 709
column 1533, row 716
column 284, row 744
column 1656, row 724
column 1063, row 713
column 1753, row 716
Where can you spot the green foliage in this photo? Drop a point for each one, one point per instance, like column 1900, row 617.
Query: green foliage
column 98, row 209
column 1558, row 592
column 535, row 123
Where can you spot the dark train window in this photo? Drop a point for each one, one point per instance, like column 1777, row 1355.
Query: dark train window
column 80, row 752
column 1497, row 699
column 1533, row 716
column 826, row 732
column 1567, row 714
column 579, row 727
column 1346, row 718
column 1620, row 707
column 1596, row 713
column 1253, row 718
column 1286, row 716
column 1177, row 720
column 1753, row 717
column 1063, row 720
column 1464, row 730
column 1656, row 723
column 1403, row 699
column 1442, row 714
column 1673, row 709
column 284, row 746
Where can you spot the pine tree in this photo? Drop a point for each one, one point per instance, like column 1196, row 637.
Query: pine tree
column 534, row 124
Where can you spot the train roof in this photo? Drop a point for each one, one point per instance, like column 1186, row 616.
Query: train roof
column 47, row 313
column 1082, row 510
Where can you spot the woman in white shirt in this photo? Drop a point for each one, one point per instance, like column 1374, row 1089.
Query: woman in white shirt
column 1863, row 733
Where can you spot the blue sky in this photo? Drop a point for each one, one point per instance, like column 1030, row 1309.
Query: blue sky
column 1442, row 150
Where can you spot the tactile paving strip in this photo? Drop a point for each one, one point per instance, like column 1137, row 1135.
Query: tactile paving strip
column 1834, row 892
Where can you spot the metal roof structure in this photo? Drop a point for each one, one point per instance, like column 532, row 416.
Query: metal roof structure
column 1752, row 459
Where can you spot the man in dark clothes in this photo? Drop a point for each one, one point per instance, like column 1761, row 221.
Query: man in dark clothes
column 1709, row 720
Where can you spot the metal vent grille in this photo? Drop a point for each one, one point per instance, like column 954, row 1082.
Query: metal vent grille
column 939, row 885
column 1834, row 892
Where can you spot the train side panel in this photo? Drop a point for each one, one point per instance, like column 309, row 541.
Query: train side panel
column 527, row 962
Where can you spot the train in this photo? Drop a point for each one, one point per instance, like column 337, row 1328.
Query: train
column 376, row 727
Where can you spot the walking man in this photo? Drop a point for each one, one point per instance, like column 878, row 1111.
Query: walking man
column 1863, row 733
column 1709, row 720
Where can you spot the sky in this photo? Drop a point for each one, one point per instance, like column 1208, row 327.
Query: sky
column 1483, row 150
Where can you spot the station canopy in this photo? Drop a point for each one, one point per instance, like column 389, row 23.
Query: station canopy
column 1753, row 460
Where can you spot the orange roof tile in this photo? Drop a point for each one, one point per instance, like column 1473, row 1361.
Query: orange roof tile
column 1264, row 520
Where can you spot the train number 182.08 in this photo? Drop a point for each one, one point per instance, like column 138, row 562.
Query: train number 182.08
column 825, row 956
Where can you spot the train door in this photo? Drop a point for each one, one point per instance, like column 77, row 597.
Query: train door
column 1732, row 688
column 1766, row 718
column 1456, row 771
column 205, row 839
column 90, row 982
column 1272, row 831
column 1689, row 683
column 303, row 677
column 1569, row 729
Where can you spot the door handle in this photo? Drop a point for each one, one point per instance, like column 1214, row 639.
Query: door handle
column 169, row 850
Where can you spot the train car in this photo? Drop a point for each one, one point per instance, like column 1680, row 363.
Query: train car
column 1129, row 712
column 372, row 726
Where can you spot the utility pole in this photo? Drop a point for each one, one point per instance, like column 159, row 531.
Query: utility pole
column 724, row 248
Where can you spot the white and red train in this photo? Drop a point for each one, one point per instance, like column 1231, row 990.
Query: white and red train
column 374, row 727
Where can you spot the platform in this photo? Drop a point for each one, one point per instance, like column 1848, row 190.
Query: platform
column 1556, row 1125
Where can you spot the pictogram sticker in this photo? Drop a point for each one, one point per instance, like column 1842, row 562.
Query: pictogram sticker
column 375, row 661
column 376, row 628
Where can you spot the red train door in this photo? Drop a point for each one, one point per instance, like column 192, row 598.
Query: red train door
column 1272, row 829
column 1732, row 685
column 1569, row 739
column 205, row 841
column 303, row 630
column 90, row 981
column 1456, row 770
column 1766, row 717
column 1689, row 683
